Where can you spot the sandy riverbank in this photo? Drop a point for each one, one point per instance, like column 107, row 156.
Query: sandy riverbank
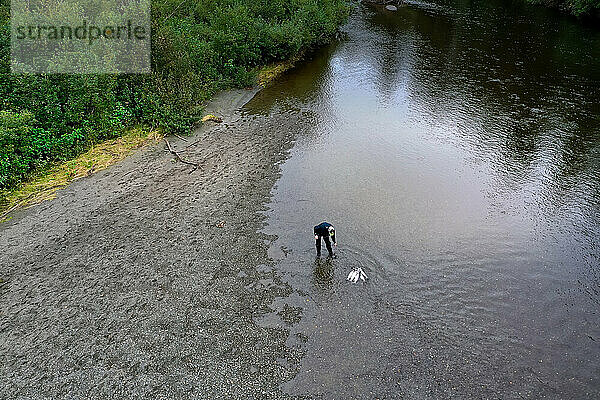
column 144, row 280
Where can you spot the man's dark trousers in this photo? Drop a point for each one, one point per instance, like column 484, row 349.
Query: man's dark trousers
column 327, row 243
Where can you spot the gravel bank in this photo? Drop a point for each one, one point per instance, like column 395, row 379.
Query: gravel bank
column 129, row 284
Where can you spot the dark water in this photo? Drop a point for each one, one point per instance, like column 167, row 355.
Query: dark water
column 456, row 148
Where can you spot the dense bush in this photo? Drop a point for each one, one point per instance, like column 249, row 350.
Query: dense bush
column 199, row 47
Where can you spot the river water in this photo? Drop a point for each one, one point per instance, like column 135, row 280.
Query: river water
column 455, row 146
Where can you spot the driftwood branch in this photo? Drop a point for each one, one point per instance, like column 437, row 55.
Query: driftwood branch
column 176, row 154
column 193, row 144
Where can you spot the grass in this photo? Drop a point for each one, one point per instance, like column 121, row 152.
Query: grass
column 44, row 185
column 271, row 72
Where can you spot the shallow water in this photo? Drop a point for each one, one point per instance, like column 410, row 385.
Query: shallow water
column 455, row 146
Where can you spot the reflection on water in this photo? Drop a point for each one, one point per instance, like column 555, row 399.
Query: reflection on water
column 323, row 272
column 455, row 146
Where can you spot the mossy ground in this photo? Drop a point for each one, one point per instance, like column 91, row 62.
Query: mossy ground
column 273, row 71
column 43, row 185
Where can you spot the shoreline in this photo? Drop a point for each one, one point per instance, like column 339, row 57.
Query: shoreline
column 145, row 279
column 44, row 185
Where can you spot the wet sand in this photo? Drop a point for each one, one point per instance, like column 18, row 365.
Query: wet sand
column 130, row 285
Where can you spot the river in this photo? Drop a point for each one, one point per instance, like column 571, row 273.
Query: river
column 455, row 146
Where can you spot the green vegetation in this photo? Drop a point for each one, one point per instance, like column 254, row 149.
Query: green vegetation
column 199, row 47
column 575, row 7
column 43, row 185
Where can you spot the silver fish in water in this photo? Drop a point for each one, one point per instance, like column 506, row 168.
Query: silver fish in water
column 357, row 274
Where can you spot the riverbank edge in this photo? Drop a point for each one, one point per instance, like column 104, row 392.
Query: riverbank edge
column 183, row 244
column 44, row 185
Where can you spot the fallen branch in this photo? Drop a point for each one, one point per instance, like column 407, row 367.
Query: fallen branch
column 176, row 154
column 193, row 144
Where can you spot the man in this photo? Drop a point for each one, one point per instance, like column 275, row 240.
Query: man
column 324, row 230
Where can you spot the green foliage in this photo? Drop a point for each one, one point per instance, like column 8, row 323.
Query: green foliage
column 575, row 7
column 198, row 47
column 22, row 146
column 580, row 7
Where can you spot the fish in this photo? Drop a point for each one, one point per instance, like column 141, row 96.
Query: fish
column 363, row 276
column 351, row 275
column 357, row 274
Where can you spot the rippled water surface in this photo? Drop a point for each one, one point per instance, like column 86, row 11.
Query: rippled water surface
column 456, row 148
